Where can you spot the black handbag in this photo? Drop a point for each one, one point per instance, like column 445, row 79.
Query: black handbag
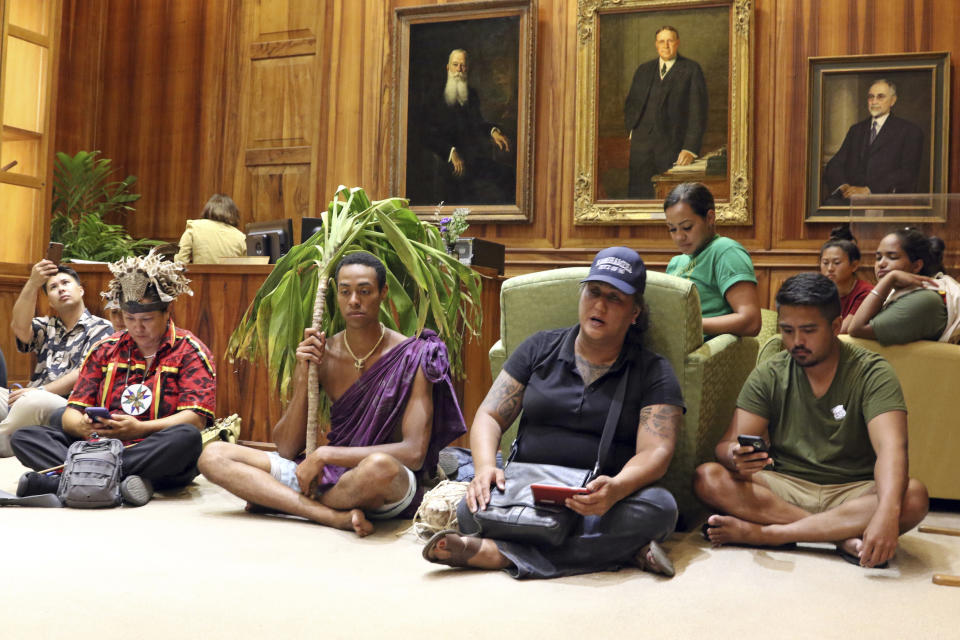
column 513, row 515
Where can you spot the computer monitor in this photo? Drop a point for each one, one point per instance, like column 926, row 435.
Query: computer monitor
column 271, row 238
column 308, row 227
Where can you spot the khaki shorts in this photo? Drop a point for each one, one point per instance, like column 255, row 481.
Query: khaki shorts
column 810, row 496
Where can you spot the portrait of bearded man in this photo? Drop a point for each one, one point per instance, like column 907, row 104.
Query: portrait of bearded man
column 472, row 155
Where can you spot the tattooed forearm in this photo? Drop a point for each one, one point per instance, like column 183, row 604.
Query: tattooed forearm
column 504, row 400
column 661, row 420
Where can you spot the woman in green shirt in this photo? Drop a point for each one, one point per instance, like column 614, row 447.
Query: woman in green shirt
column 720, row 267
column 901, row 309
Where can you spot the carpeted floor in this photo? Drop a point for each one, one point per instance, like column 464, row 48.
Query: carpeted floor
column 194, row 565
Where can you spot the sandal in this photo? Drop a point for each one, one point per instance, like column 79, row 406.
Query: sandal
column 855, row 560
column 461, row 548
column 654, row 559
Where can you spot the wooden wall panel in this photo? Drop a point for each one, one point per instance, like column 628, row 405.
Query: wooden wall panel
column 12, row 279
column 147, row 84
column 174, row 79
column 279, row 191
column 276, row 123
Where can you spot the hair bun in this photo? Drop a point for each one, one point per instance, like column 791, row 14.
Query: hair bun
column 842, row 232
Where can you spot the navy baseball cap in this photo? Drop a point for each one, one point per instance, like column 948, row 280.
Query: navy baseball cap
column 619, row 267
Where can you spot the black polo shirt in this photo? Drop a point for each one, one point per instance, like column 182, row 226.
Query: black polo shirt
column 562, row 420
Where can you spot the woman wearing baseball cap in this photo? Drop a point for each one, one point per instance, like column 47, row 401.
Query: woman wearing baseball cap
column 564, row 381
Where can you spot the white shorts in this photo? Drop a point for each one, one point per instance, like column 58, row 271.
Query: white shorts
column 285, row 471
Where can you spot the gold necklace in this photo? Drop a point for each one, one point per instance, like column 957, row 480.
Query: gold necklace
column 359, row 362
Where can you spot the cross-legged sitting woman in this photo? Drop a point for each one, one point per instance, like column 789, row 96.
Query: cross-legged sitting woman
column 564, row 381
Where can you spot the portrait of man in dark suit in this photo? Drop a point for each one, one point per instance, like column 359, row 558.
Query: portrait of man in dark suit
column 665, row 112
column 880, row 154
column 465, row 144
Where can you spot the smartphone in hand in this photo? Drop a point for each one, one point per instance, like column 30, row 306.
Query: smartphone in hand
column 554, row 495
column 97, row 413
column 54, row 253
column 758, row 444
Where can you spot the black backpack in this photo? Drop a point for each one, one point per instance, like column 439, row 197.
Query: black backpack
column 91, row 476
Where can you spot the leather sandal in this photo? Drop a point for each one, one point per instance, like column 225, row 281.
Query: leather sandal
column 654, row 559
column 855, row 560
column 461, row 548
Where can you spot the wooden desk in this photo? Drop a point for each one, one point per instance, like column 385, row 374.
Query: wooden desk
column 476, row 359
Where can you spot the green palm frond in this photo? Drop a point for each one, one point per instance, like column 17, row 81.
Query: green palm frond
column 84, row 198
column 427, row 287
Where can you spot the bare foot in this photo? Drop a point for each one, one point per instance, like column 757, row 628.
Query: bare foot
column 731, row 530
column 851, row 546
column 259, row 508
column 359, row 523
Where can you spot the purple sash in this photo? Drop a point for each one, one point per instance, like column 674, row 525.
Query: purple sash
column 372, row 408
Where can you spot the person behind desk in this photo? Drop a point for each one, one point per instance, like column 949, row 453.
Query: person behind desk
column 720, row 267
column 901, row 308
column 215, row 235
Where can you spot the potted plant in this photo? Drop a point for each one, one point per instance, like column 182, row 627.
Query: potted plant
column 427, row 288
column 84, row 195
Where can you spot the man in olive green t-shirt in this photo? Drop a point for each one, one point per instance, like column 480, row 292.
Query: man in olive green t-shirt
column 836, row 423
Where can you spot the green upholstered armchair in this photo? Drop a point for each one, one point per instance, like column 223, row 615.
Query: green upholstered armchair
column 710, row 373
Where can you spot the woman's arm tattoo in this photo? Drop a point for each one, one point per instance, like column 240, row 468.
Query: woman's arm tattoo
column 504, row 400
column 661, row 420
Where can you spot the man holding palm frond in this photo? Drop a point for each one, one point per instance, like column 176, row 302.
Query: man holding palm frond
column 393, row 409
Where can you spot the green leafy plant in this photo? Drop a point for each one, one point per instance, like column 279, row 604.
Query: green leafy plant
column 427, row 288
column 84, row 195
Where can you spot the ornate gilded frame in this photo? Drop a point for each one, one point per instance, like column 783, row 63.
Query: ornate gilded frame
column 587, row 208
column 932, row 76
column 525, row 11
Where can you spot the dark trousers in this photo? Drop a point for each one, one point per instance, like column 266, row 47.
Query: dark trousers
column 168, row 458
column 597, row 543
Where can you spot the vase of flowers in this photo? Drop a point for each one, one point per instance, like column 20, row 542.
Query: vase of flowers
column 452, row 226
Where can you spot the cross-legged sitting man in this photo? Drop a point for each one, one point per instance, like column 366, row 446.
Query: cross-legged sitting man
column 60, row 341
column 393, row 409
column 156, row 380
column 835, row 421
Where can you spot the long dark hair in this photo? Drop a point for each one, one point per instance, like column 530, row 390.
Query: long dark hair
column 696, row 195
column 920, row 247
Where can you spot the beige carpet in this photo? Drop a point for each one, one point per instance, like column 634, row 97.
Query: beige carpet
column 194, row 565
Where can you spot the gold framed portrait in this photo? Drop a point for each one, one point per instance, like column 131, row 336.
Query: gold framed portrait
column 662, row 97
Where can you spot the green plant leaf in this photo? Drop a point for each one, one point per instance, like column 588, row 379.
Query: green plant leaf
column 427, row 287
column 83, row 196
